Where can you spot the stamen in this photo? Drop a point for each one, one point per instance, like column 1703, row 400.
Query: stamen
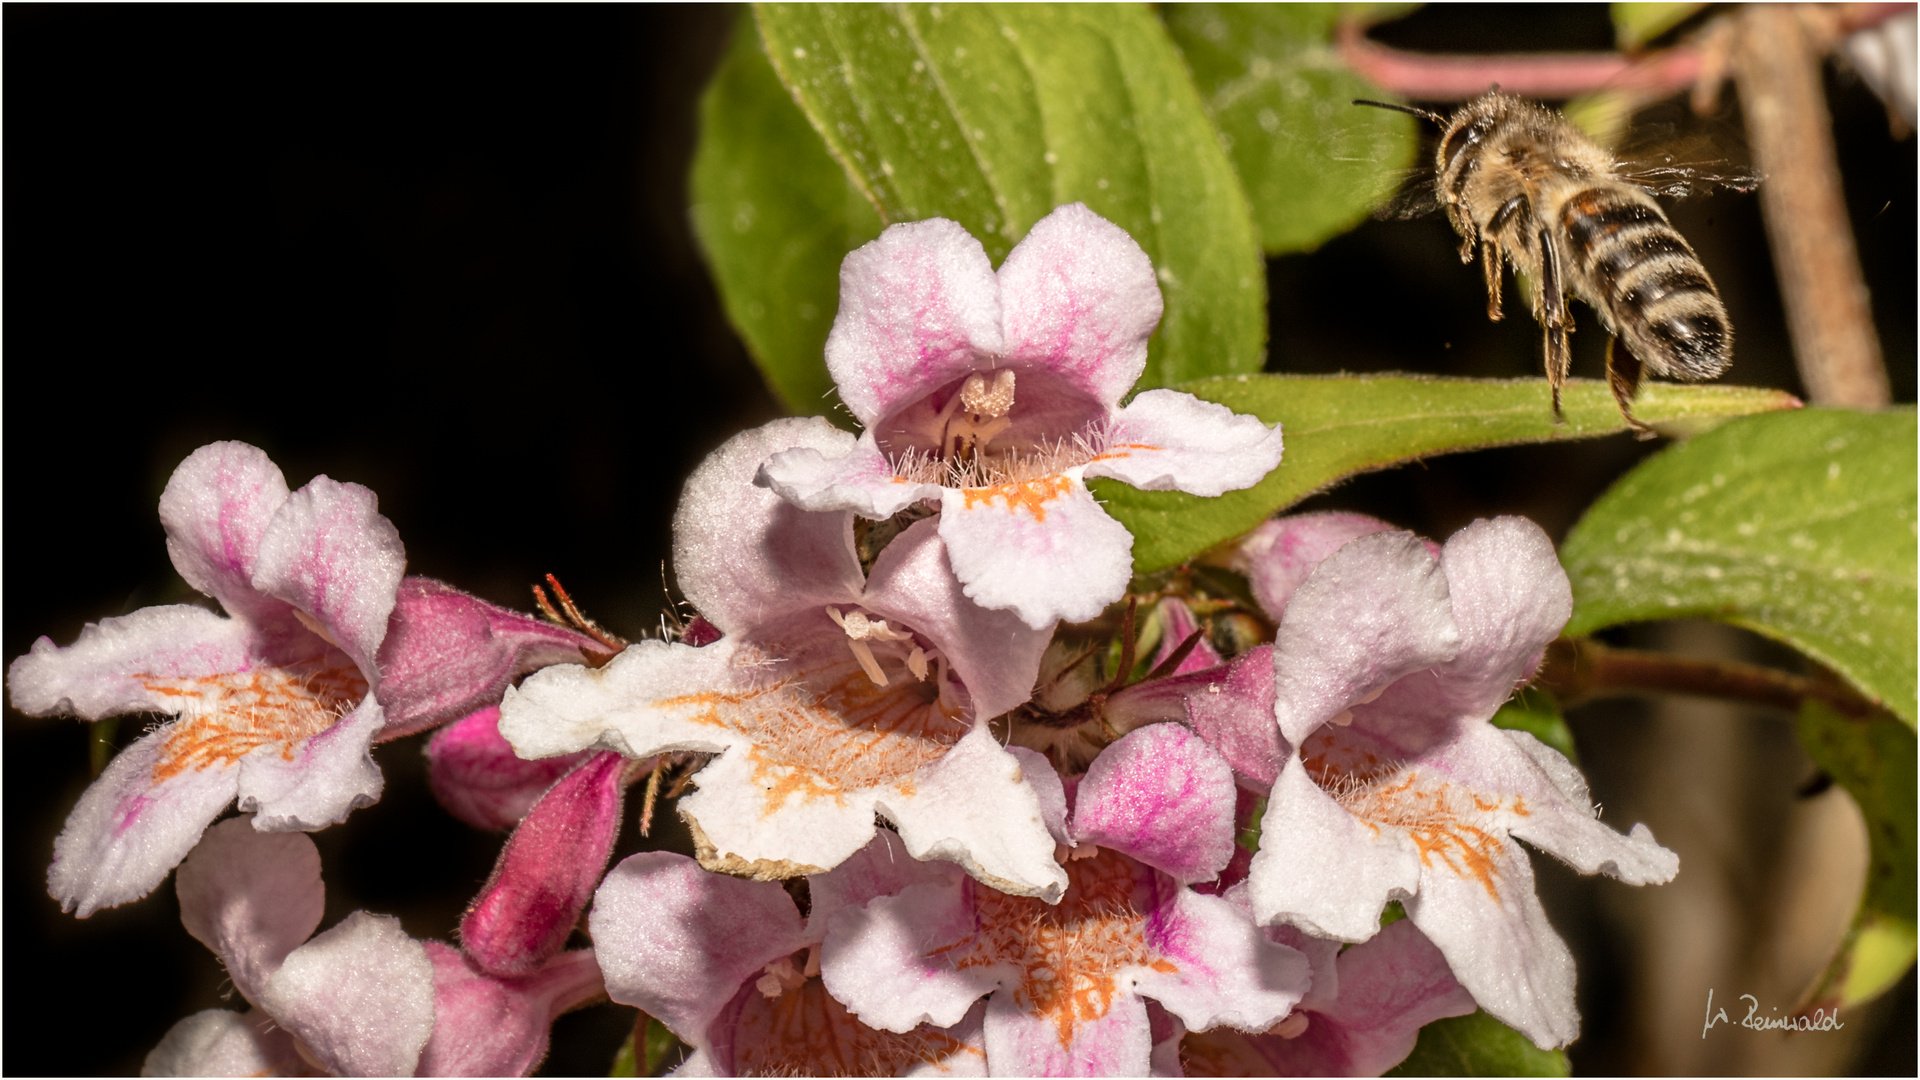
column 779, row 978
column 813, row 961
column 1342, row 719
column 1294, row 1026
column 917, row 663
column 986, row 401
column 313, row 624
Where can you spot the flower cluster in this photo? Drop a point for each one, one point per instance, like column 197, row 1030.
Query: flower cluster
column 942, row 822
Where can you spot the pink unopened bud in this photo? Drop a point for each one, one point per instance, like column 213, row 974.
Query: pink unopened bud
column 478, row 777
column 547, row 871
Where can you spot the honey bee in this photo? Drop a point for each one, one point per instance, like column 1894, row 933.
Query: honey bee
column 1517, row 179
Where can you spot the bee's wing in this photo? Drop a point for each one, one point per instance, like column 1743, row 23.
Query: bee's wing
column 1698, row 161
column 1416, row 198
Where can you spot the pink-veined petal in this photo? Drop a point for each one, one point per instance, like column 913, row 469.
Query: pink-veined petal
column 1079, row 297
column 1370, row 613
column 359, row 997
column 974, row 807
column 1499, row 945
column 1042, row 548
column 1225, row 970
column 317, row 781
column 882, row 868
column 547, row 871
column 1321, row 868
column 447, row 653
column 252, row 898
column 1168, row 441
column 1119, row 1042
column 742, row 554
column 221, row 1042
column 1232, row 709
column 488, row 1026
column 859, row 480
column 216, row 508
column 330, row 553
column 883, row 961
column 1390, row 987
column 480, row 780
column 129, row 829
column 678, row 941
column 995, row 654
column 918, row 306
column 1163, row 796
column 107, row 671
column 1278, row 556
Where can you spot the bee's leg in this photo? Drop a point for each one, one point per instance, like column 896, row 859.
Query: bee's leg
column 1554, row 319
column 1490, row 253
column 1623, row 375
column 1490, row 247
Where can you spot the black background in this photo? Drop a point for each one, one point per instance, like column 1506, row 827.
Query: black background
column 444, row 252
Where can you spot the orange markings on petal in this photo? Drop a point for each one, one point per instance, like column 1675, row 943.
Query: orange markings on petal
column 822, row 734
column 1069, row 955
column 805, row 1032
column 223, row 718
column 1029, row 495
column 1123, row 449
column 1448, row 824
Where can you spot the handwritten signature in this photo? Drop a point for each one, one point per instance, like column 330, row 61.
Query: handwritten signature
column 1818, row 1020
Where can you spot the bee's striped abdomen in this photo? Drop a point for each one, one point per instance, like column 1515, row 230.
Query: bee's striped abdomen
column 1642, row 275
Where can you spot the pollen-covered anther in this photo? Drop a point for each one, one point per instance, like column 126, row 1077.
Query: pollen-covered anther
column 988, row 401
column 1063, row 854
column 1292, row 1027
column 780, row 977
column 860, row 630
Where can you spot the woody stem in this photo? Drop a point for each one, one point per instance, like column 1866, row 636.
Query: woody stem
column 1582, row 669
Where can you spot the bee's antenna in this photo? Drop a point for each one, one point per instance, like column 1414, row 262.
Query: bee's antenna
column 1408, row 109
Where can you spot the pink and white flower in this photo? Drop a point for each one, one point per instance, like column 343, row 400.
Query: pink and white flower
column 733, row 969
column 360, row 999
column 997, row 395
column 1070, row 983
column 271, row 703
column 1362, row 1017
column 1393, row 785
column 831, row 695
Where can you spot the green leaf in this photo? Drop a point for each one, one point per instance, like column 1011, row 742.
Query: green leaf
column 660, row 1045
column 1478, row 1045
column 1337, row 426
column 774, row 214
column 1636, row 24
column 1873, row 759
column 1798, row 526
column 1313, row 164
column 1535, row 712
column 993, row 116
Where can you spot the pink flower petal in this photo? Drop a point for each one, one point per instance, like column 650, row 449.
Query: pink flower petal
column 1048, row 788
column 805, row 1032
column 1498, row 943
column 480, row 780
column 918, row 306
column 678, row 942
column 1080, row 298
column 1321, row 868
column 216, row 509
column 1278, row 556
column 318, row 780
column 330, row 553
column 860, row 480
column 252, row 898
column 1217, row 968
column 1163, row 796
column 129, row 829
column 742, row 554
column 1370, row 613
column 1042, row 548
column 108, row 671
column 221, row 1042
column 995, row 654
column 488, row 1026
column 359, row 996
column 547, row 871
column 1168, row 441
column 1119, row 1042
column 882, row 868
column 1233, row 711
column 447, row 654
column 878, row 961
